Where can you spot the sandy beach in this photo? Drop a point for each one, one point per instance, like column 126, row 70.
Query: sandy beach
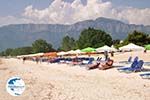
column 62, row 82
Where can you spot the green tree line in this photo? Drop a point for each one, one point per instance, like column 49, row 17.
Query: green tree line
column 96, row 38
column 39, row 45
column 88, row 38
column 136, row 37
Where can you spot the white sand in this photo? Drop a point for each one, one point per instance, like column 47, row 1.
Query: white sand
column 62, row 82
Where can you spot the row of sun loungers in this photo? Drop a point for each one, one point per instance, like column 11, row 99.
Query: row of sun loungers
column 90, row 63
column 136, row 66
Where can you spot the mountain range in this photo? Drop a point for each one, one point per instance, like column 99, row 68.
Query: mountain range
column 19, row 35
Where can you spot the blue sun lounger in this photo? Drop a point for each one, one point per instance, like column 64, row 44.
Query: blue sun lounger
column 138, row 67
column 145, row 75
column 86, row 62
column 135, row 62
column 147, row 63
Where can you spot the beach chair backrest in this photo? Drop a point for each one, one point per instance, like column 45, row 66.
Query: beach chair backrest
column 99, row 59
column 136, row 58
column 133, row 65
column 139, row 65
column 130, row 58
column 91, row 60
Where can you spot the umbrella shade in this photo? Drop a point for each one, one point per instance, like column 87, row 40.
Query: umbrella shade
column 147, row 47
column 70, row 52
column 88, row 49
column 36, row 55
column 78, row 51
column 61, row 53
column 131, row 46
column 105, row 48
column 32, row 55
column 113, row 48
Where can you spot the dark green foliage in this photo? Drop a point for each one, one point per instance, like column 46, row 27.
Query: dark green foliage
column 21, row 51
column 38, row 46
column 115, row 42
column 59, row 49
column 88, row 38
column 138, row 38
column 16, row 51
column 8, row 51
column 68, row 43
column 41, row 46
column 2, row 53
column 93, row 38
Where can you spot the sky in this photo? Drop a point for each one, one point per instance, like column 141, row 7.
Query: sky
column 72, row 11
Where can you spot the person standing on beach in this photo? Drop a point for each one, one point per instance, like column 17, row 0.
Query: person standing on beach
column 106, row 55
column 145, row 51
column 112, row 53
column 24, row 58
column 37, row 60
column 40, row 59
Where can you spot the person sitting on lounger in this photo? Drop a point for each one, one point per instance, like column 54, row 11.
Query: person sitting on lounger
column 94, row 65
column 106, row 65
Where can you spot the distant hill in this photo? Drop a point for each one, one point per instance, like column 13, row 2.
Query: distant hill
column 19, row 35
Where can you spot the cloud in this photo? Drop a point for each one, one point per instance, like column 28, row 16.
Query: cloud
column 62, row 12
column 13, row 20
column 66, row 13
column 135, row 16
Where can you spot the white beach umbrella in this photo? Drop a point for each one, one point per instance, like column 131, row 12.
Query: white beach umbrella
column 132, row 47
column 61, row 53
column 31, row 55
column 21, row 56
column 38, row 54
column 113, row 48
column 105, row 48
column 78, row 51
column 74, row 52
column 71, row 52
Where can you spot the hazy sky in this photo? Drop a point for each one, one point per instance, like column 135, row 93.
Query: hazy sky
column 71, row 11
